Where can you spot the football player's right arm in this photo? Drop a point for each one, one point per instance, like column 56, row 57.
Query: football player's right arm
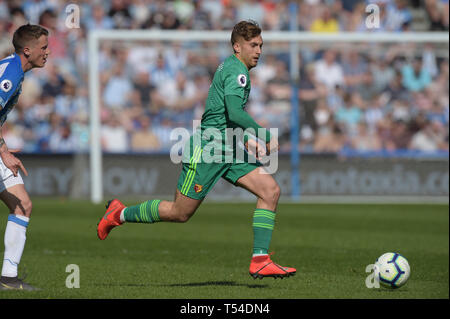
column 234, row 100
column 237, row 115
column 241, row 118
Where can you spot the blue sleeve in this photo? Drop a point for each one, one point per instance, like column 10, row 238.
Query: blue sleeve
column 9, row 81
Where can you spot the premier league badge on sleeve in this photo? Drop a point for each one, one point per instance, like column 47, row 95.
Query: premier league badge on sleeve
column 6, row 85
column 242, row 80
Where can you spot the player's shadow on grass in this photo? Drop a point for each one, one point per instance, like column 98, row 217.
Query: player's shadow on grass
column 216, row 283
column 195, row 284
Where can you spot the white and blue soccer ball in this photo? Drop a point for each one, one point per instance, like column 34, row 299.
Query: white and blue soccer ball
column 392, row 270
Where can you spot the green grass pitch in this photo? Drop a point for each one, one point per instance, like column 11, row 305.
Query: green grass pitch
column 208, row 257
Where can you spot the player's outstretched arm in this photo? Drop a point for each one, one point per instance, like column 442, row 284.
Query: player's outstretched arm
column 8, row 158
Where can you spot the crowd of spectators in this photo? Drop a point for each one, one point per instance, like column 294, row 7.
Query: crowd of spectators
column 352, row 97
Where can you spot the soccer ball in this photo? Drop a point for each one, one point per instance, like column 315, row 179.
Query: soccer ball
column 392, row 270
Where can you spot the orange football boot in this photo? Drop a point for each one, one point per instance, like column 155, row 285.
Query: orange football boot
column 263, row 266
column 111, row 218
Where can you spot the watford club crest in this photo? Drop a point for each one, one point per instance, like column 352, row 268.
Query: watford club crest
column 198, row 188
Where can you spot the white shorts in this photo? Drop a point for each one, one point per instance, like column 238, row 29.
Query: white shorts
column 7, row 178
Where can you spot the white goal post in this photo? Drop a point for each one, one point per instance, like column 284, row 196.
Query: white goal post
column 292, row 37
